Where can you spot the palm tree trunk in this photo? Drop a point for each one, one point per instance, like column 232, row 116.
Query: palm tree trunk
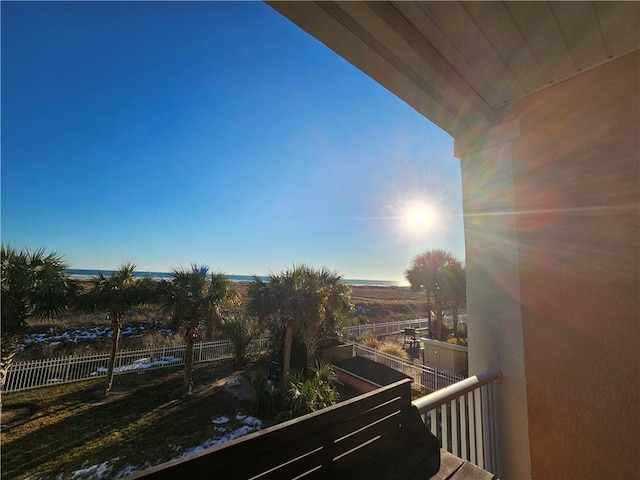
column 311, row 344
column 429, row 313
column 115, row 340
column 208, row 328
column 188, row 363
column 286, row 361
column 455, row 320
column 9, row 349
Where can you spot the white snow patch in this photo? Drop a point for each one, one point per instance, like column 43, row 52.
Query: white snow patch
column 250, row 421
column 128, row 470
column 251, row 424
column 104, row 470
column 54, row 338
column 93, row 472
column 140, row 364
column 212, row 442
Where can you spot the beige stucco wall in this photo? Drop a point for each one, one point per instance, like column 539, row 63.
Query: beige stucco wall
column 552, row 225
column 493, row 291
column 576, row 173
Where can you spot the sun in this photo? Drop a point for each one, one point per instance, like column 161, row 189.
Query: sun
column 419, row 217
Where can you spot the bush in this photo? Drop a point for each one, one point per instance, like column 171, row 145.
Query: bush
column 457, row 341
column 393, row 349
column 241, row 330
column 157, row 339
column 312, row 394
column 269, row 400
column 370, row 341
column 303, row 395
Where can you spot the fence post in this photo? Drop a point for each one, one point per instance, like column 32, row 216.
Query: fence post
column 68, row 367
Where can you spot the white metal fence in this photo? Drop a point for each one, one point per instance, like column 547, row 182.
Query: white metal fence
column 40, row 373
column 395, row 327
column 462, row 416
column 425, row 377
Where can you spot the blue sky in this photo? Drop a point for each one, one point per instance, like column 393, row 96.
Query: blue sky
column 211, row 132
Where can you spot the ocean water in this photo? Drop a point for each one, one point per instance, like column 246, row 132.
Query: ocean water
column 86, row 274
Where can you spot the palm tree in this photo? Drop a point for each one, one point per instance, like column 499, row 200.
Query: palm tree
column 224, row 294
column 191, row 298
column 34, row 285
column 117, row 294
column 241, row 330
column 426, row 274
column 338, row 300
column 299, row 299
column 281, row 300
column 455, row 277
column 327, row 300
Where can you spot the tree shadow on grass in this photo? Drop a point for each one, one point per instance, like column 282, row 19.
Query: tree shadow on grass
column 144, row 420
column 17, row 414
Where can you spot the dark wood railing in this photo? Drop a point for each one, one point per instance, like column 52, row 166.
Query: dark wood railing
column 376, row 435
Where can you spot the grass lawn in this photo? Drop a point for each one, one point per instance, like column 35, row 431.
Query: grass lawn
column 67, row 428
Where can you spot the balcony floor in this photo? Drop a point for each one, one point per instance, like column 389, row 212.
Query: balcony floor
column 454, row 468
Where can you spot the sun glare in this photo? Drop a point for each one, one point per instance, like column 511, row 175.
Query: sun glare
column 420, row 217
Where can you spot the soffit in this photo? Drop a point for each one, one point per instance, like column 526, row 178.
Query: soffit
column 459, row 63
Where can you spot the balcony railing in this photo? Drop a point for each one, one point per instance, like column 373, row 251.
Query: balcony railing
column 395, row 327
column 425, row 377
column 462, row 416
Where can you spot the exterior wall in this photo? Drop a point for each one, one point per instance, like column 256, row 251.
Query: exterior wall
column 577, row 171
column 494, row 324
column 444, row 356
column 552, row 225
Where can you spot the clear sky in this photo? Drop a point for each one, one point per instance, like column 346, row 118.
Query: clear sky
column 211, row 132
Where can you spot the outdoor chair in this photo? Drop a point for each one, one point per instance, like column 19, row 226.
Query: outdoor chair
column 410, row 338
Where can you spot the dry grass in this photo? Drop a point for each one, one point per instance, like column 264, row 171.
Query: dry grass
column 370, row 341
column 401, row 294
column 394, row 349
column 387, row 304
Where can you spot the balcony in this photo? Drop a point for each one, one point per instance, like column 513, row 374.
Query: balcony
column 381, row 434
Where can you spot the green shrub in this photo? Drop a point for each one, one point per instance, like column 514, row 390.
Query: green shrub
column 269, row 399
column 241, row 330
column 303, row 395
column 306, row 395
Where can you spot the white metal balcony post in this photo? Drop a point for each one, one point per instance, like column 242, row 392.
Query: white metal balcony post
column 463, row 414
column 444, row 421
column 472, row 429
column 463, row 426
column 454, row 427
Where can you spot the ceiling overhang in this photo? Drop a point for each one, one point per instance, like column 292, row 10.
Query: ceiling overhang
column 460, row 63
